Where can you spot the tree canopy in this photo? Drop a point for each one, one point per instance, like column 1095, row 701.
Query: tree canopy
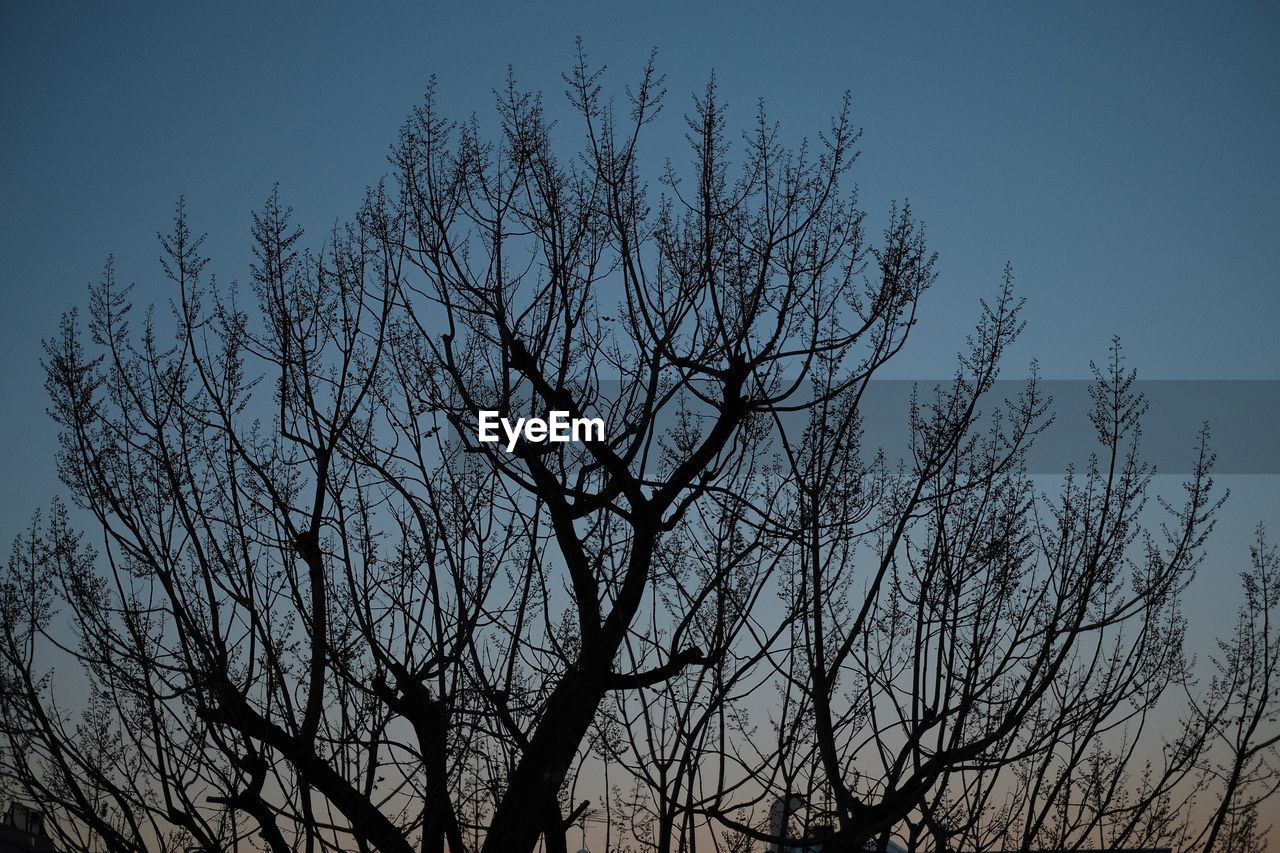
column 319, row 613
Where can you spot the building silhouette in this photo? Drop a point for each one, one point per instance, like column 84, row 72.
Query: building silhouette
column 22, row 829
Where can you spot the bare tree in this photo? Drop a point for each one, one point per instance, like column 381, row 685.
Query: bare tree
column 323, row 614
column 1241, row 711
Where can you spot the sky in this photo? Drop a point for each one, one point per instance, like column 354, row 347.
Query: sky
column 1122, row 157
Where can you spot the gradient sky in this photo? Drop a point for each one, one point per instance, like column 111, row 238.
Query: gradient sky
column 1122, row 156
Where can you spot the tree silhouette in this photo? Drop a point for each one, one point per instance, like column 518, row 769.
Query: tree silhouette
column 323, row 615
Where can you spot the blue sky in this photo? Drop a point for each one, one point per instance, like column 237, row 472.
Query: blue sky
column 1121, row 156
